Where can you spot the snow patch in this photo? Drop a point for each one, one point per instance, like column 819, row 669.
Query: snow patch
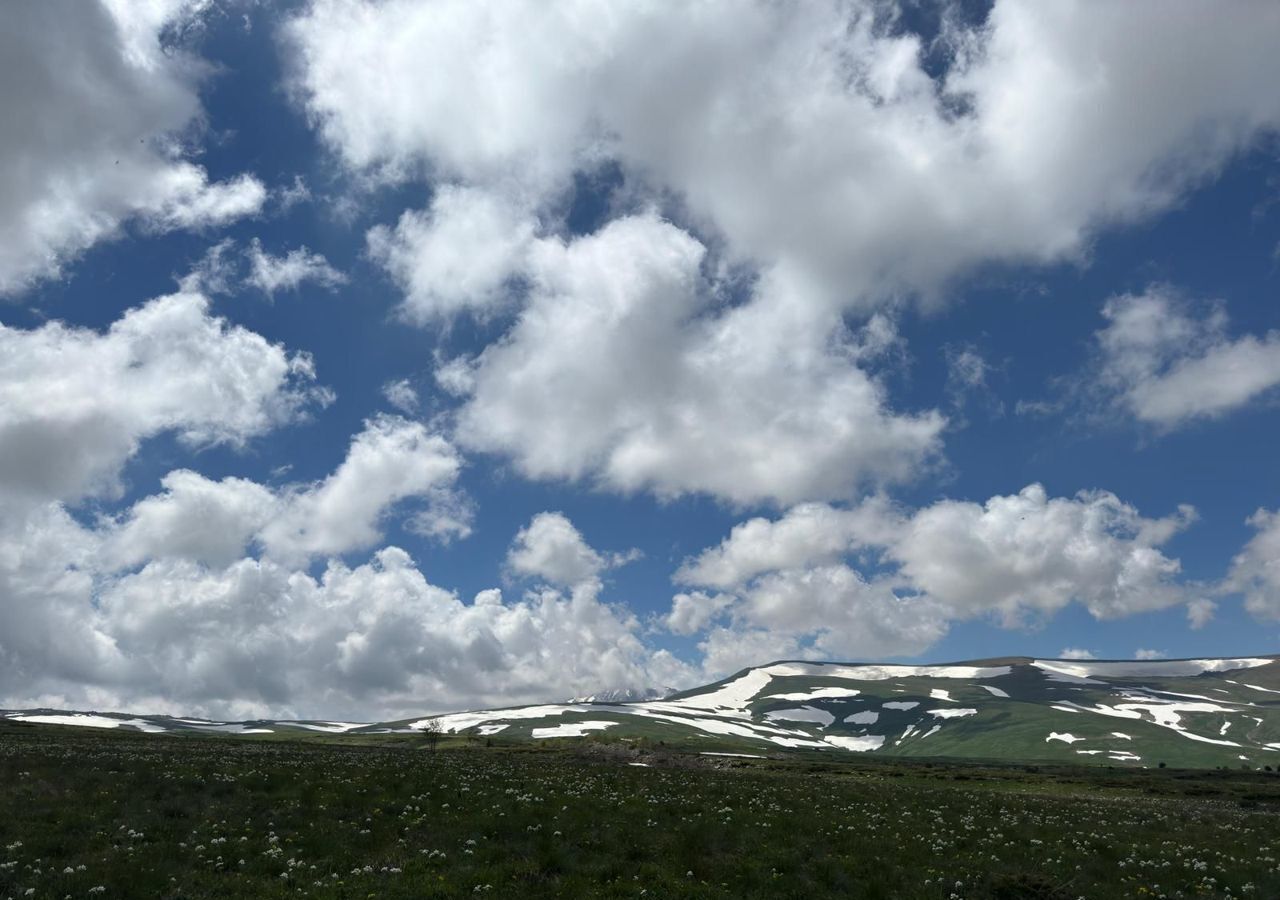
column 887, row 673
column 802, row 714
column 1166, row 714
column 994, row 691
column 940, row 694
column 455, row 722
column 728, row 727
column 1258, row 687
column 572, row 729
column 232, row 728
column 1066, row 737
column 1083, row 671
column 826, row 693
column 900, row 704
column 858, row 744
column 952, row 713
column 84, row 720
column 1205, row 740
column 866, row 717
column 734, row 695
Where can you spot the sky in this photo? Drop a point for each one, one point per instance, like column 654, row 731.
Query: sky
column 368, row 359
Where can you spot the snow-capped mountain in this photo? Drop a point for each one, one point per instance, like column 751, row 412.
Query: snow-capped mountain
column 627, row 695
column 1191, row 712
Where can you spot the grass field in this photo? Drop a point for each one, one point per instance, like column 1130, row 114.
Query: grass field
column 119, row 815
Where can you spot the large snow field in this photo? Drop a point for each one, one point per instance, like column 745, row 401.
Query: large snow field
column 85, row 720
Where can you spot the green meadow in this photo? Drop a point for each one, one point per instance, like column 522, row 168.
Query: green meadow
column 112, row 814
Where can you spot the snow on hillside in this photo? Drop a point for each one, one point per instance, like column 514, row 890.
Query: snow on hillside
column 1075, row 670
column 84, row 720
column 626, row 695
column 797, row 705
column 1189, row 709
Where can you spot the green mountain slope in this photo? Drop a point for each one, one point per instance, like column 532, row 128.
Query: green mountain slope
column 1184, row 713
column 1180, row 712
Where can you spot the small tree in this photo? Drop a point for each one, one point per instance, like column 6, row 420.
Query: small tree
column 432, row 731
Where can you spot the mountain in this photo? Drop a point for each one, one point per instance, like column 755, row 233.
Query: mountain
column 1189, row 712
column 627, row 695
column 1193, row 712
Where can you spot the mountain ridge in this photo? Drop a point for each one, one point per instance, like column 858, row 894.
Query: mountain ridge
column 1192, row 711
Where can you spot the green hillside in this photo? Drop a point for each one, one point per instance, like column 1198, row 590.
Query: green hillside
column 1205, row 713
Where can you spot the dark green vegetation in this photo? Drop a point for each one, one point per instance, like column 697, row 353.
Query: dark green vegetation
column 114, row 814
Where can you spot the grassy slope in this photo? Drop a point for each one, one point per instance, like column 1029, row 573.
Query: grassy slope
column 173, row 817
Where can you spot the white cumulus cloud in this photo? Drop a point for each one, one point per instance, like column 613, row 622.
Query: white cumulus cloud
column 96, row 113
column 1167, row 366
column 1255, row 571
column 391, row 460
column 75, row 403
column 458, row 256
column 807, row 145
column 803, row 576
column 620, row 371
column 199, row 629
column 810, row 136
column 271, row 273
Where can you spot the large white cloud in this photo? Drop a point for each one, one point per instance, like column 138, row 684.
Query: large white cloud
column 552, row 549
column 215, row 523
column 809, row 135
column 1017, row 557
column 1255, row 571
column 621, row 370
column 803, row 144
column 202, row 630
column 1167, row 366
column 230, row 597
column 96, row 114
column 195, row 518
column 459, row 256
column 392, row 460
column 1031, row 553
column 808, row 534
column 76, row 403
column 200, row 596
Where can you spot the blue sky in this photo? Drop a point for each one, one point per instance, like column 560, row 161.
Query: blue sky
column 671, row 315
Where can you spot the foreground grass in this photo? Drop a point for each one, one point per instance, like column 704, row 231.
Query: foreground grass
column 114, row 815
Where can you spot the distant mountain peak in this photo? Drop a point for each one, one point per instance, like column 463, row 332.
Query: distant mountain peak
column 626, row 695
